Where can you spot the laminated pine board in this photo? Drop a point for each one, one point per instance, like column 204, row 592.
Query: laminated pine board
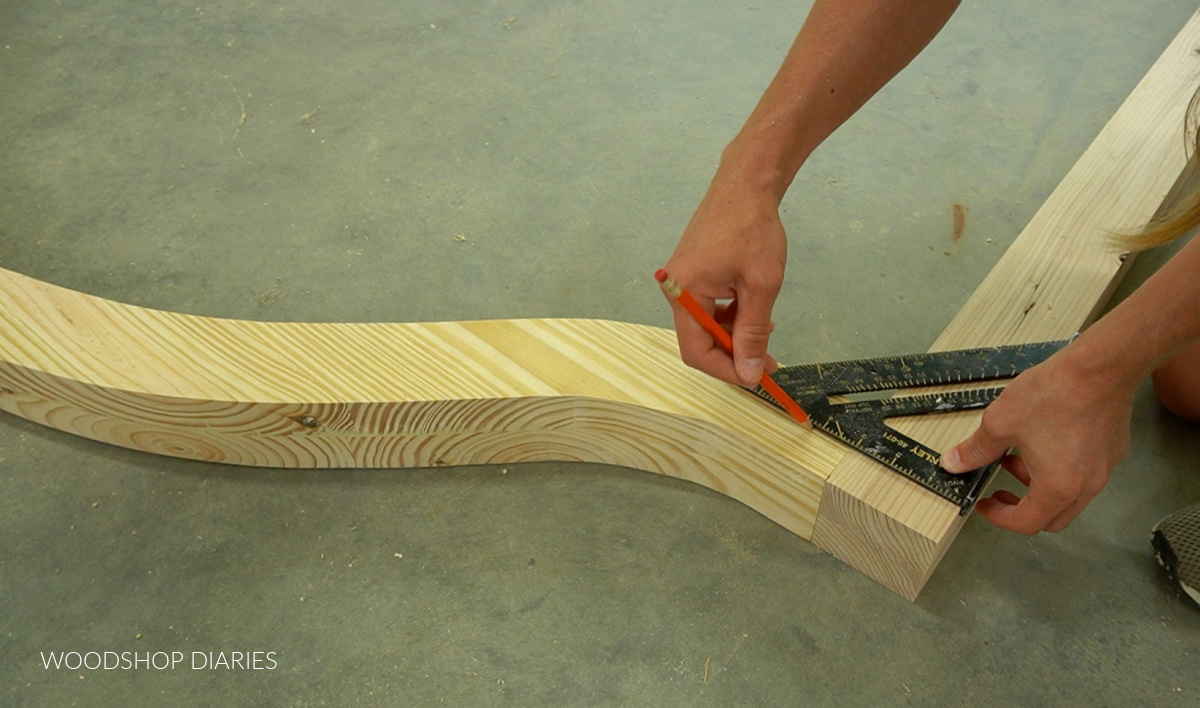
column 331, row 395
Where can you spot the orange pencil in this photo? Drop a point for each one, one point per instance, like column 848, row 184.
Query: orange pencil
column 705, row 320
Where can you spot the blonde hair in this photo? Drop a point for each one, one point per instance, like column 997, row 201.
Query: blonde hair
column 1184, row 216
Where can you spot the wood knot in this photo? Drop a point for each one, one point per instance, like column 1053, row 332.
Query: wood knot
column 307, row 421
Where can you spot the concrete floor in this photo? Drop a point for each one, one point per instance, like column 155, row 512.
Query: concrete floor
column 393, row 161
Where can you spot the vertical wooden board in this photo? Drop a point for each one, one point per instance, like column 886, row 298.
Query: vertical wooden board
column 1057, row 273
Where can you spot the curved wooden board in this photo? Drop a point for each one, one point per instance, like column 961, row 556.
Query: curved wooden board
column 306, row 395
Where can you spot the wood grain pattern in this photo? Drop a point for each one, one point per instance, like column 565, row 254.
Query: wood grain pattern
column 397, row 395
column 1052, row 281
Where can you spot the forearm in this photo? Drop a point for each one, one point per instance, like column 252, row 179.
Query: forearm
column 1069, row 417
column 735, row 248
column 844, row 53
column 1158, row 320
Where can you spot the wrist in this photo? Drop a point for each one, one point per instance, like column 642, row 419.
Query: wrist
column 1095, row 365
column 757, row 168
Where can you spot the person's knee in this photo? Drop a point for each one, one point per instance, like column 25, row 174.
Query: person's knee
column 1177, row 385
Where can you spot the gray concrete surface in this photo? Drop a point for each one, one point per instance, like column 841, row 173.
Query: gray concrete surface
column 370, row 160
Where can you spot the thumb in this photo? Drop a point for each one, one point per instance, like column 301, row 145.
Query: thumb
column 979, row 450
column 752, row 328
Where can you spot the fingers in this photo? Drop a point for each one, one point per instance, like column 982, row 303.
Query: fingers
column 726, row 315
column 1071, row 433
column 1026, row 515
column 1015, row 464
column 1004, row 496
column 699, row 351
column 1048, row 506
column 1008, row 511
column 979, row 450
column 748, row 319
column 1052, row 503
column 751, row 330
column 697, row 347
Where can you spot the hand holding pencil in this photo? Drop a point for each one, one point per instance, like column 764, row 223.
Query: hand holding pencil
column 675, row 291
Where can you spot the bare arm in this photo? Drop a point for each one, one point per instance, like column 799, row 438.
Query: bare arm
column 735, row 246
column 1069, row 417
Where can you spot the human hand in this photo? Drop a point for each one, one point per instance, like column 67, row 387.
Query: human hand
column 1070, row 429
column 733, row 249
